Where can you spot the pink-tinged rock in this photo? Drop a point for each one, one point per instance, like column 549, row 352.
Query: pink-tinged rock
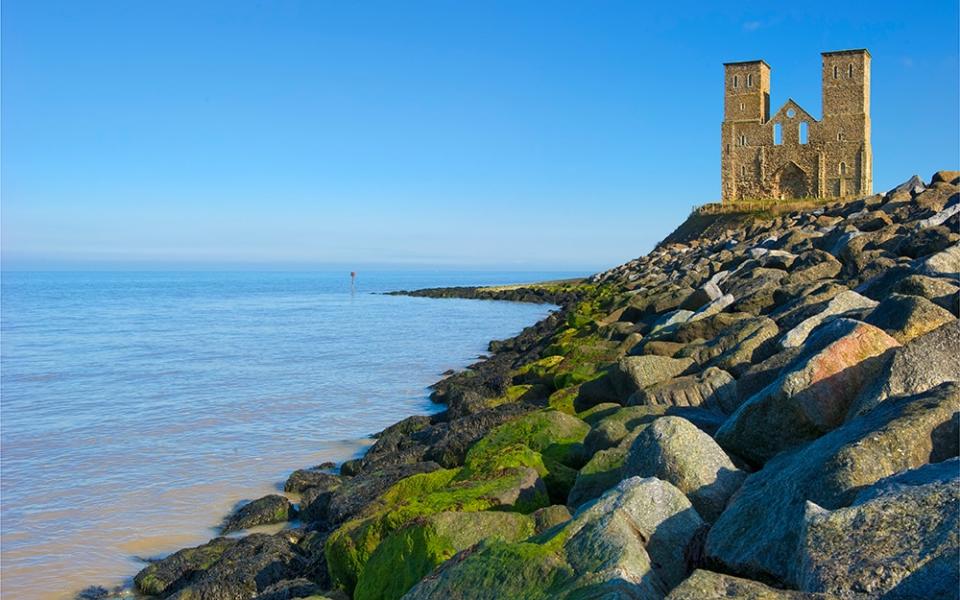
column 812, row 394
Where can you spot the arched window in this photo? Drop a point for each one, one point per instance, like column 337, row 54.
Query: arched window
column 741, row 107
column 743, row 140
column 842, row 169
column 750, row 80
column 840, row 136
column 777, row 134
column 850, row 70
column 836, row 72
column 802, row 133
column 743, row 171
column 736, row 81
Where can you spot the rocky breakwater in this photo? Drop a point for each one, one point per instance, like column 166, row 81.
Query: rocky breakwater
column 765, row 406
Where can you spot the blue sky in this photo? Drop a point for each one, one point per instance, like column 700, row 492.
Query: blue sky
column 547, row 135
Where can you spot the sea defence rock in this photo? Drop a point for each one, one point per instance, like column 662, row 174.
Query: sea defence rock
column 628, row 544
column 736, row 347
column 758, row 535
column 515, row 487
column 921, row 364
column 812, row 395
column 843, row 302
column 223, row 569
column 902, row 542
column 674, row 450
column 907, row 317
column 707, row 585
column 711, row 388
column 411, row 553
column 262, row 511
column 630, row 374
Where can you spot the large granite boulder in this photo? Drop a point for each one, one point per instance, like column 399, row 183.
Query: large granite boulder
column 628, row 544
column 630, row 374
column 758, row 535
column 707, row 585
column 812, row 394
column 844, row 302
column 902, row 542
column 921, row 364
column 711, row 388
column 906, row 317
column 942, row 292
column 675, row 450
column 945, row 263
column 736, row 347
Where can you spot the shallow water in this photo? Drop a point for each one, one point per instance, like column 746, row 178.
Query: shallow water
column 138, row 408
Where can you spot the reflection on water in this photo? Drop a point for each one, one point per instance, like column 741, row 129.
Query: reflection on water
column 139, row 408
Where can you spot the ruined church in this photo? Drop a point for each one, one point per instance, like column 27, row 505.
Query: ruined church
column 792, row 154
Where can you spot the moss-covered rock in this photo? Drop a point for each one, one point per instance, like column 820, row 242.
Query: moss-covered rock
column 166, row 576
column 407, row 555
column 548, row 441
column 350, row 546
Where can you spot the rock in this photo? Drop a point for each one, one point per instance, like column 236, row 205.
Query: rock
column 912, row 186
column 927, row 241
column 549, row 517
column 760, row 375
column 629, row 544
column 812, row 394
column 357, row 492
column 938, row 219
column 662, row 300
column 843, row 302
column 290, row 589
column 166, row 576
column 945, row 263
column 754, row 288
column 223, row 570
column 902, row 544
column 628, row 375
column 603, row 471
column 757, row 536
column 941, row 292
column 736, row 348
column 705, row 294
column 952, row 177
column 301, row 479
column 713, row 307
column 609, row 431
column 513, row 487
column 921, row 364
column 658, row 348
column 262, row 511
column 411, row 553
column 447, row 443
column 937, row 197
column 908, row 317
column 872, row 221
column 938, row 472
column 707, row 585
column 711, row 388
column 669, row 322
column 674, row 450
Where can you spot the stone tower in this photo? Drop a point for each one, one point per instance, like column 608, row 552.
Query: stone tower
column 791, row 154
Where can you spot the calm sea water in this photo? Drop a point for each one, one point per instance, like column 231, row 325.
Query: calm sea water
column 138, row 408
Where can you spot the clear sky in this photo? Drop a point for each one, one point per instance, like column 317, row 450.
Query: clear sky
column 548, row 135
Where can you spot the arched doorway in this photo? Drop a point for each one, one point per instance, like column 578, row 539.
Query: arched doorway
column 792, row 182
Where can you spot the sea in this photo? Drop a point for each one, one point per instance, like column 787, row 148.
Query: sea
column 138, row 408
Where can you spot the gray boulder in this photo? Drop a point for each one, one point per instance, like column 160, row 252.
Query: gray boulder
column 758, row 535
column 707, row 585
column 711, row 388
column 921, row 364
column 843, row 302
column 812, row 394
column 903, row 543
column 736, row 347
column 907, row 317
column 630, row 374
column 942, row 264
column 674, row 450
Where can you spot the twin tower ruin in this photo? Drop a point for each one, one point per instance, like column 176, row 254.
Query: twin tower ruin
column 793, row 155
